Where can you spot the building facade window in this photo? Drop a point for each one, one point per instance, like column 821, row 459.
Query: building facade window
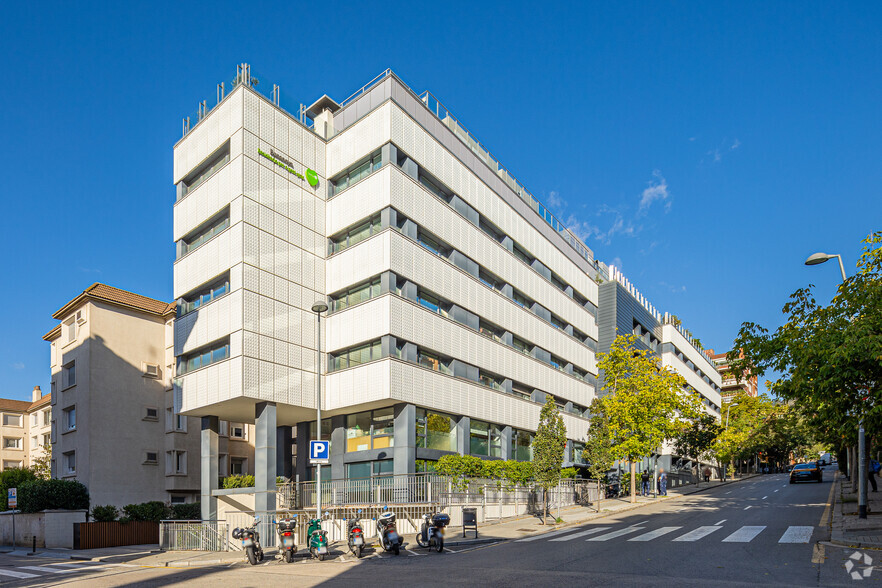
column 356, row 295
column 435, row 430
column 217, row 351
column 198, row 176
column 355, row 356
column 238, row 431
column 434, row 362
column 151, row 458
column 484, row 439
column 205, row 232
column 354, row 235
column 521, row 445
column 176, row 463
column 8, row 465
column 11, row 443
column 70, row 462
column 356, row 173
column 203, row 295
column 238, row 466
column 372, row 429
column 70, row 418
column 175, row 422
column 369, row 469
column 11, row 420
column 69, row 375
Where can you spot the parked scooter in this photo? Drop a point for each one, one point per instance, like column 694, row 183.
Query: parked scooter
column 432, row 531
column 356, row 536
column 250, row 542
column 287, row 540
column 318, row 539
column 389, row 537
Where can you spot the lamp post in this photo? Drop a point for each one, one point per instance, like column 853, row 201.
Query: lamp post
column 815, row 259
column 318, row 308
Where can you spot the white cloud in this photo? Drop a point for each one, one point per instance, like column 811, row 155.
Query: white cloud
column 554, row 201
column 657, row 190
column 736, row 144
column 18, row 366
column 673, row 288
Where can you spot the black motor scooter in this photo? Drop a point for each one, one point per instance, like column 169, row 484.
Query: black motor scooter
column 250, row 542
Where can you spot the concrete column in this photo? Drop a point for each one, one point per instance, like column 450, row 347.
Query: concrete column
column 389, row 154
column 265, row 457
column 387, row 282
column 388, row 217
column 505, row 441
column 302, row 440
column 463, row 428
column 404, row 452
column 209, row 473
column 284, row 445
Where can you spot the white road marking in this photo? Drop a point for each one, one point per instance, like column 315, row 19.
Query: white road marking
column 546, row 535
column 582, row 534
column 796, row 535
column 766, row 496
column 698, row 533
column 744, row 535
column 47, row 569
column 450, row 550
column 723, row 521
column 654, row 534
column 14, row 574
column 636, row 524
column 615, row 534
column 777, row 490
column 747, row 507
column 729, row 492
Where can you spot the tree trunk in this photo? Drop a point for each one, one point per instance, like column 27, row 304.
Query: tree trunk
column 544, row 505
column 633, row 482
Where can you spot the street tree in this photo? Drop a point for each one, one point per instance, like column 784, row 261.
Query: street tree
column 742, row 419
column 598, row 445
column 696, row 441
column 41, row 463
column 548, row 450
column 646, row 403
column 829, row 357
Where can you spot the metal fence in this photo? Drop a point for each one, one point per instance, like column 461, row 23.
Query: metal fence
column 398, row 489
column 194, row 535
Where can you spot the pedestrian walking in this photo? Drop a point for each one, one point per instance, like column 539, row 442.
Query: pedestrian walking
column 662, row 483
column 707, row 474
column 644, row 479
column 872, row 470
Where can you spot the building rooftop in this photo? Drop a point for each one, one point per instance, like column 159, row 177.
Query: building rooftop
column 105, row 293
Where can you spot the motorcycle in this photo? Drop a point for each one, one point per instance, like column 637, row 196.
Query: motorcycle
column 389, row 537
column 250, row 542
column 318, row 539
column 287, row 540
column 356, row 536
column 432, row 531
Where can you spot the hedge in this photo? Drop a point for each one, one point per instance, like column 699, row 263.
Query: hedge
column 154, row 511
column 13, row 478
column 104, row 514
column 37, row 495
column 237, row 481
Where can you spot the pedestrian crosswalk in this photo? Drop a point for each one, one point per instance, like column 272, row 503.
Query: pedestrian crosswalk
column 735, row 534
column 8, row 574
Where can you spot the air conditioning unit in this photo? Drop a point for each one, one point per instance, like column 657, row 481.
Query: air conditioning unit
column 79, row 317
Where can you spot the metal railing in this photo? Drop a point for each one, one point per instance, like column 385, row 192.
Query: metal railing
column 398, row 489
column 194, row 535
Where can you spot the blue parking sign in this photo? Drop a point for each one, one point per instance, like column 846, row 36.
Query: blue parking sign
column 319, row 452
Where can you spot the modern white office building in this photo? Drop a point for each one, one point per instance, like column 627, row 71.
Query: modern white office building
column 457, row 302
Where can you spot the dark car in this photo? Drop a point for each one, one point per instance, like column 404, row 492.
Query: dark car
column 806, row 472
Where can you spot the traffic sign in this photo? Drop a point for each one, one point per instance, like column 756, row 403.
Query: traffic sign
column 319, row 452
column 12, row 498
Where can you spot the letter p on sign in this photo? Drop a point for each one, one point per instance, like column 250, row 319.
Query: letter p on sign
column 319, row 452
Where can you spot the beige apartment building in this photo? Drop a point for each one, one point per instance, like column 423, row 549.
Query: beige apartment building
column 24, row 429
column 732, row 385
column 114, row 426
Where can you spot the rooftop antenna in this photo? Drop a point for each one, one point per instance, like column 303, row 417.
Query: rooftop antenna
column 186, row 125
column 203, row 109
column 220, row 92
column 275, row 94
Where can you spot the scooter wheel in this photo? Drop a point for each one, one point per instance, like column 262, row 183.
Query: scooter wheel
column 439, row 544
column 419, row 540
column 252, row 557
column 289, row 556
column 357, row 551
column 396, row 548
column 321, row 557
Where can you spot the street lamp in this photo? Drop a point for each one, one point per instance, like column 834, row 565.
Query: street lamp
column 318, row 308
column 815, row 259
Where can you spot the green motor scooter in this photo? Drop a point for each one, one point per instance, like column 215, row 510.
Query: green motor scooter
column 318, row 539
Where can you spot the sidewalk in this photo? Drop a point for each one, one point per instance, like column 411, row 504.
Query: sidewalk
column 847, row 528
column 490, row 532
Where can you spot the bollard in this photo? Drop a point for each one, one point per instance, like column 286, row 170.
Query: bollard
column 34, row 548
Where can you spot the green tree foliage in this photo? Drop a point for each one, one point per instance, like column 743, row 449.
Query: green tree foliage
column 41, row 465
column 829, row 357
column 598, row 445
column 645, row 404
column 548, row 449
column 238, row 481
column 37, row 495
column 104, row 514
column 462, row 468
column 13, row 478
column 742, row 419
column 191, row 511
column 696, row 441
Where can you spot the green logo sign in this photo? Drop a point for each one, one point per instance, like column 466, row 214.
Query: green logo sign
column 312, row 178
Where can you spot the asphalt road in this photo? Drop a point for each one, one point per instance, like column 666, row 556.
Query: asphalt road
column 763, row 531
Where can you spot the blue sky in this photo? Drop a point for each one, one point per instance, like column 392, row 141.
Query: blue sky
column 706, row 150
